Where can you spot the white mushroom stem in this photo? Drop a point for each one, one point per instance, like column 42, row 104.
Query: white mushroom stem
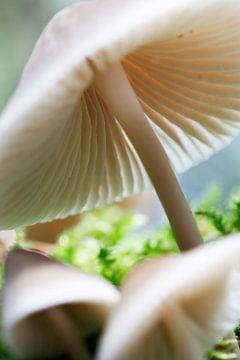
column 117, row 93
column 68, row 333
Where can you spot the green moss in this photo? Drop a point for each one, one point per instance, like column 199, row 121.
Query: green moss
column 224, row 350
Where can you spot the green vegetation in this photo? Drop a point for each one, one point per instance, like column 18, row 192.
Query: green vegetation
column 223, row 351
column 109, row 242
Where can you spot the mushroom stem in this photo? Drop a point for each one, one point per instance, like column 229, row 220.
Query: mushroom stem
column 117, row 93
column 68, row 333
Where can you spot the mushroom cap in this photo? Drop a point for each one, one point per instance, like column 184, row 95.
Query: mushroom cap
column 50, row 231
column 33, row 286
column 176, row 307
column 62, row 151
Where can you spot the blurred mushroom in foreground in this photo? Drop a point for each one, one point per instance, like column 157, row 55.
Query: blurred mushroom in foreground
column 49, row 308
column 177, row 307
column 102, row 104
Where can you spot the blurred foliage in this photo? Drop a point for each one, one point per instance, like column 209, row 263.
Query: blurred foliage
column 224, row 219
column 110, row 242
column 4, row 355
column 224, row 350
column 21, row 23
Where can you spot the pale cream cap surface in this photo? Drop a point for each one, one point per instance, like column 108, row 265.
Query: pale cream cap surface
column 177, row 307
column 35, row 284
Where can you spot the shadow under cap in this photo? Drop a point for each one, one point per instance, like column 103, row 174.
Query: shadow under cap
column 179, row 306
column 49, row 307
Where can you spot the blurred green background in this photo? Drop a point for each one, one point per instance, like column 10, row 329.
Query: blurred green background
column 21, row 22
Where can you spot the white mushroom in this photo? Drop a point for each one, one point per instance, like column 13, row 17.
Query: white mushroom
column 79, row 128
column 50, row 231
column 48, row 308
column 177, row 307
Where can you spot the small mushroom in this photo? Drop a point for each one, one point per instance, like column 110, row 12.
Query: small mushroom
column 113, row 86
column 177, row 307
column 49, row 232
column 49, row 308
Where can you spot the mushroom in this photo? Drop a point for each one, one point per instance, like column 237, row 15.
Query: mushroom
column 49, row 308
column 49, row 232
column 176, row 307
column 114, row 90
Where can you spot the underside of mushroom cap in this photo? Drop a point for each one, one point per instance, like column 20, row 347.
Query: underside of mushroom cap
column 61, row 150
column 33, row 286
column 179, row 306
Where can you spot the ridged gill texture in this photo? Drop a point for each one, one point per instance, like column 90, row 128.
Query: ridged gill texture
column 61, row 150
